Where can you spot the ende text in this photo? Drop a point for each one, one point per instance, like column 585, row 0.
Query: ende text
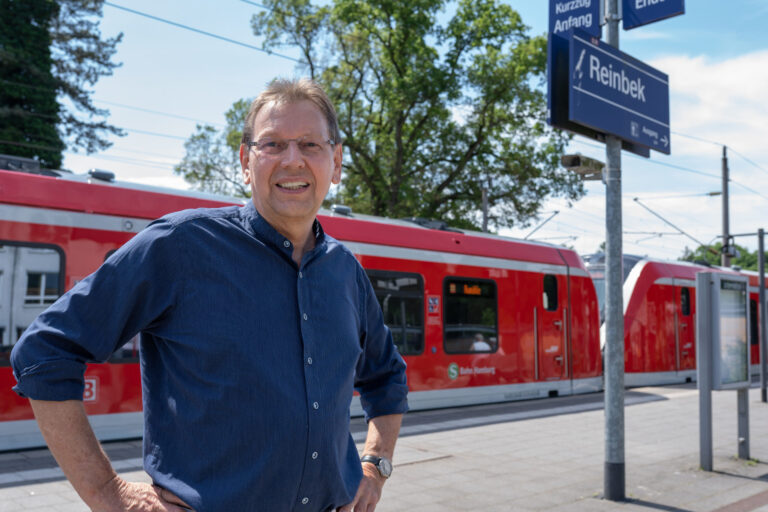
column 615, row 80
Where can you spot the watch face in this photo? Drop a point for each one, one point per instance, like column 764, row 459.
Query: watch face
column 385, row 467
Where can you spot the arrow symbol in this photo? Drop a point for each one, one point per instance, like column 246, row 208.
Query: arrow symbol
column 665, row 141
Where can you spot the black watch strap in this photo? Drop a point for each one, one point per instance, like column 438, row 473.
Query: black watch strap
column 383, row 465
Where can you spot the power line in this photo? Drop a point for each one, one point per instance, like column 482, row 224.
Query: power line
column 637, row 200
column 199, row 31
column 157, row 112
column 748, row 160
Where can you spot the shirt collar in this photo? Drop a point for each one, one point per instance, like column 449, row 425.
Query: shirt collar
column 264, row 231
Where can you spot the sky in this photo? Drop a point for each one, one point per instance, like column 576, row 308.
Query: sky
column 716, row 56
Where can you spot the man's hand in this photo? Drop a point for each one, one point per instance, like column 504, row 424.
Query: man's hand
column 121, row 496
column 368, row 492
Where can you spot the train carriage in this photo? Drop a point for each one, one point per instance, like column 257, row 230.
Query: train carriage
column 478, row 318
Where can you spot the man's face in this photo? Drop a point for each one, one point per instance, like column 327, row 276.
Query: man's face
column 289, row 186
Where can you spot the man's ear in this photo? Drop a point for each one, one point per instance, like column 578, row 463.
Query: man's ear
column 244, row 163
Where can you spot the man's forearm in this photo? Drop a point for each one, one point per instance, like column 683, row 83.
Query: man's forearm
column 382, row 435
column 65, row 427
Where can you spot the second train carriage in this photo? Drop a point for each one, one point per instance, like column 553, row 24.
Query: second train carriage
column 478, row 318
column 660, row 318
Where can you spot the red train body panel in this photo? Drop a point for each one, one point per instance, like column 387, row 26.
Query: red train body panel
column 538, row 334
column 478, row 318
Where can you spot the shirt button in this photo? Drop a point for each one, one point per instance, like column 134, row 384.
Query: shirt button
column 286, row 243
column 314, row 455
column 305, row 316
column 301, row 275
column 309, row 360
column 304, row 501
column 316, row 405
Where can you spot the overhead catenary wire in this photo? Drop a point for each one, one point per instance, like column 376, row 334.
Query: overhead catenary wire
column 202, row 32
column 637, row 200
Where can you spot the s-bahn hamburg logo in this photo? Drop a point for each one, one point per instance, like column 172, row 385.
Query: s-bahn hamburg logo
column 453, row 371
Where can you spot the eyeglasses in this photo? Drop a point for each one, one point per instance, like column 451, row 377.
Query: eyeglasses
column 307, row 146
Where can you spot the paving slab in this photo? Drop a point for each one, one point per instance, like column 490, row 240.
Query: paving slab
column 543, row 455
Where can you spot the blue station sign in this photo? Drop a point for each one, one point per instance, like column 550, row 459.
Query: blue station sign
column 637, row 13
column 614, row 93
column 566, row 15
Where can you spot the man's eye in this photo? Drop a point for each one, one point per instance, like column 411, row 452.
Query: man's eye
column 270, row 144
column 309, row 144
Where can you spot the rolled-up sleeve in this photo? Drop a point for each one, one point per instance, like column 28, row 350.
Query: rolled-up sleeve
column 380, row 377
column 130, row 291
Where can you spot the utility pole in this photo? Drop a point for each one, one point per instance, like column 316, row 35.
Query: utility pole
column 742, row 395
column 725, row 256
column 762, row 312
column 485, row 205
column 614, row 481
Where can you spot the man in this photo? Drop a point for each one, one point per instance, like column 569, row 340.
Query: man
column 255, row 327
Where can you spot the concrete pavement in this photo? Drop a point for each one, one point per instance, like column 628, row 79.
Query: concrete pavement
column 526, row 456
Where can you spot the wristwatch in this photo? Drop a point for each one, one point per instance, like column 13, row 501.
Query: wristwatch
column 383, row 464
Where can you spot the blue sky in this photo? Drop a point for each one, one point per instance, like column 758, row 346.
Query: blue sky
column 716, row 56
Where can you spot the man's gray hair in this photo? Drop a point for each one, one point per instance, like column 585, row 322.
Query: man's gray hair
column 282, row 91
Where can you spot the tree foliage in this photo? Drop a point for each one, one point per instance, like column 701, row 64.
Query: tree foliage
column 51, row 52
column 211, row 162
column 433, row 106
column 711, row 254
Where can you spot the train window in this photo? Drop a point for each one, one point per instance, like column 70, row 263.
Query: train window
column 549, row 297
column 685, row 301
column 32, row 279
column 42, row 288
column 401, row 296
column 469, row 316
column 753, row 338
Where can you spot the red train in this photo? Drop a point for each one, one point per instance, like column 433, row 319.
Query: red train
column 478, row 318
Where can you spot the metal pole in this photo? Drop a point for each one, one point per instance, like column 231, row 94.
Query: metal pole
column 725, row 258
column 704, row 367
column 762, row 312
column 614, row 484
column 742, row 395
column 485, row 208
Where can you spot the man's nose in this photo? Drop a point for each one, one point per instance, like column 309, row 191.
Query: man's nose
column 292, row 154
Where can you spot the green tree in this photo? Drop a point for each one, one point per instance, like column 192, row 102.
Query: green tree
column 51, row 52
column 432, row 110
column 212, row 162
column 711, row 254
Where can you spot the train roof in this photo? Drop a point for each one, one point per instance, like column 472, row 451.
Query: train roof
column 96, row 193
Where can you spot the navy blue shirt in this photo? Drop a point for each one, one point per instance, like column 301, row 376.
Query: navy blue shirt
column 248, row 361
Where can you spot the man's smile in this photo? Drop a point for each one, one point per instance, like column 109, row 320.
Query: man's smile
column 293, row 185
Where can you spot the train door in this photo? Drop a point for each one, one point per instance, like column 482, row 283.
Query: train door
column 685, row 328
column 552, row 320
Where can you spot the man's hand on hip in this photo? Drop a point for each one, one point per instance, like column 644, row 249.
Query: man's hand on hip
column 139, row 497
column 368, row 492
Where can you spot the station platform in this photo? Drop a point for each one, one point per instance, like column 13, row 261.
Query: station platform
column 524, row 456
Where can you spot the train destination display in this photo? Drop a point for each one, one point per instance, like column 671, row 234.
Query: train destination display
column 612, row 92
column 642, row 12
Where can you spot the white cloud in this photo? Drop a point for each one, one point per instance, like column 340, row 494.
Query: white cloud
column 723, row 101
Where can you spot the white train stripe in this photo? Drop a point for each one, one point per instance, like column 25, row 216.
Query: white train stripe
column 64, row 218
column 51, row 217
column 387, row 251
